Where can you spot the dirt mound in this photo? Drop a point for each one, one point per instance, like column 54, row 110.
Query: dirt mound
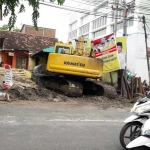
column 26, row 89
column 38, row 94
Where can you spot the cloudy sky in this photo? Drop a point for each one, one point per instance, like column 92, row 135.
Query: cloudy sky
column 50, row 17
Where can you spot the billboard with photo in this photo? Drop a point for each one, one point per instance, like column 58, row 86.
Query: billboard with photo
column 106, row 49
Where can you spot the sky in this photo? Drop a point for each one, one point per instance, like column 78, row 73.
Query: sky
column 50, row 17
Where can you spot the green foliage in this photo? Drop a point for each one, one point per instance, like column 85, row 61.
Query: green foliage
column 4, row 27
column 16, row 29
column 11, row 5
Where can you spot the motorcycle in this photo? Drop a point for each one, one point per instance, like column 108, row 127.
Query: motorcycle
column 132, row 129
column 143, row 141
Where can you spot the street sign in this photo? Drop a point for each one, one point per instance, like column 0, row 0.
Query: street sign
column 7, row 83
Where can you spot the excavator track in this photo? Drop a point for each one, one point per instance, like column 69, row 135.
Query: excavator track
column 76, row 88
column 94, row 87
column 67, row 87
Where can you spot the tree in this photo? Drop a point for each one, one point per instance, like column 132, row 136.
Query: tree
column 11, row 5
column 6, row 27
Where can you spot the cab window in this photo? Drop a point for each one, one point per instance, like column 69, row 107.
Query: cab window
column 62, row 50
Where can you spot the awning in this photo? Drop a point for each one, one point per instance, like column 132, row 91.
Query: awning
column 49, row 49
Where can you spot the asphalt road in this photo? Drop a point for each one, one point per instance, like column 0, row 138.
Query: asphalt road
column 55, row 126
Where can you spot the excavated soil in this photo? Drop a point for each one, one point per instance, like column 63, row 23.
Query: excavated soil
column 45, row 95
column 27, row 89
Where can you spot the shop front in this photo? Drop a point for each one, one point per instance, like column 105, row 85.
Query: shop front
column 15, row 58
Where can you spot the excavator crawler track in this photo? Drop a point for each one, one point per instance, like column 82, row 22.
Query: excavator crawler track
column 94, row 87
column 67, row 87
column 76, row 88
column 61, row 85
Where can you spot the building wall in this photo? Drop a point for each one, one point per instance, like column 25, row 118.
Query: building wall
column 41, row 31
column 136, row 50
column 136, row 55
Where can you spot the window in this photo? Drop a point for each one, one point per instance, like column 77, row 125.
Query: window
column 84, row 29
column 62, row 49
column 99, row 22
column 100, row 33
column 21, row 62
column 85, row 20
column 73, row 34
column 73, row 26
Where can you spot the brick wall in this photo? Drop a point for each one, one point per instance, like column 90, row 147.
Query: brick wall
column 41, row 31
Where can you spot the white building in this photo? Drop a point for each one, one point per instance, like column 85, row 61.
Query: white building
column 102, row 23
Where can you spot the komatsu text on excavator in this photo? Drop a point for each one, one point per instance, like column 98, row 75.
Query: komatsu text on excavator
column 70, row 71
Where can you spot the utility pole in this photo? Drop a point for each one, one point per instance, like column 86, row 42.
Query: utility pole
column 1, row 11
column 115, row 15
column 125, row 11
column 144, row 22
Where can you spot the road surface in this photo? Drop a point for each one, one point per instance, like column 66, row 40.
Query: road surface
column 26, row 125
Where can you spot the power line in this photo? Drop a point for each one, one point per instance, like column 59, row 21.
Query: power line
column 100, row 15
column 81, row 10
column 90, row 4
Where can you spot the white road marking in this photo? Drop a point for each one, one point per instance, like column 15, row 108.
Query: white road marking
column 5, row 121
column 86, row 120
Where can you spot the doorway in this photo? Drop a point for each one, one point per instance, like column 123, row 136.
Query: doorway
column 21, row 62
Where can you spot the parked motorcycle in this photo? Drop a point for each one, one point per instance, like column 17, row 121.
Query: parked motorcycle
column 132, row 129
column 143, row 141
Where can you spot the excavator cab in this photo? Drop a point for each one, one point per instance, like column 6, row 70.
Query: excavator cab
column 63, row 48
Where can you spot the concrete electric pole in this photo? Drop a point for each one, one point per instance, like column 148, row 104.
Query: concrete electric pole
column 124, row 7
column 115, row 16
column 1, row 11
column 148, row 67
column 125, row 11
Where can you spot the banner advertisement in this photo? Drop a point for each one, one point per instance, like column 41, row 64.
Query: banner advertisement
column 7, row 83
column 121, row 48
column 111, row 49
column 105, row 48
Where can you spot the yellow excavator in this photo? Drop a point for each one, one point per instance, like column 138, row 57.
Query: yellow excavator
column 70, row 71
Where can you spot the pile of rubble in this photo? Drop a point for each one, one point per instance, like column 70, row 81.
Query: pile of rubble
column 26, row 89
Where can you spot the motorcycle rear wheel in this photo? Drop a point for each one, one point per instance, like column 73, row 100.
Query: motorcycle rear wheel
column 133, row 133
